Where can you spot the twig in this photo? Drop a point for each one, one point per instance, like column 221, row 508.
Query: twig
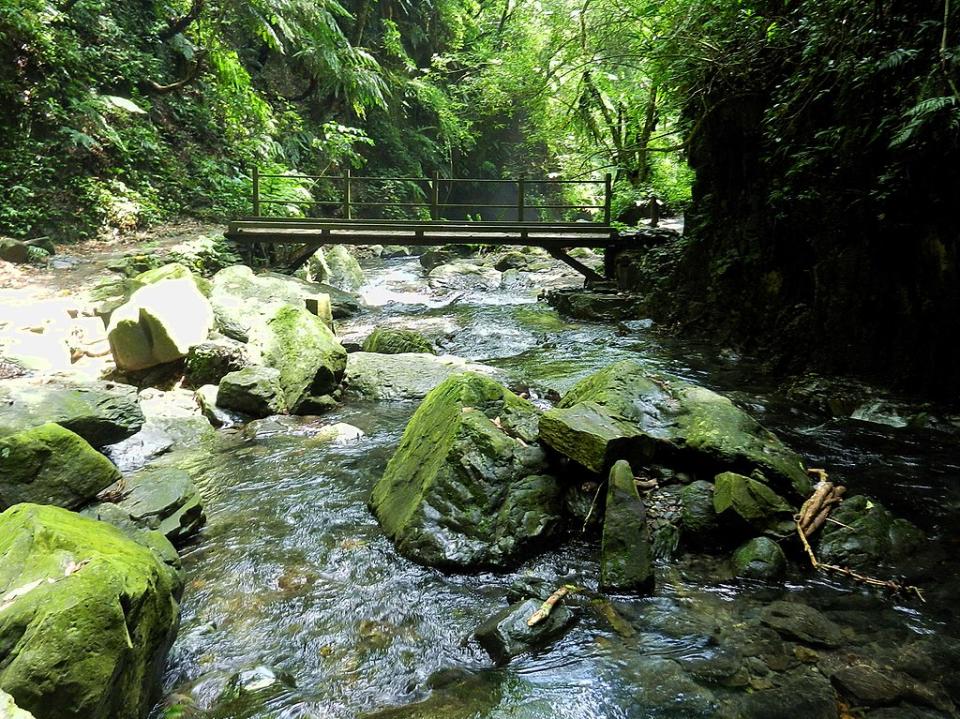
column 593, row 505
column 544, row 611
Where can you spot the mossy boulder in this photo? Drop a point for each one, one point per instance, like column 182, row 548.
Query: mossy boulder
column 101, row 412
column 741, row 501
column 343, row 270
column 759, row 558
column 87, row 616
column 625, row 556
column 159, row 324
column 253, row 391
column 589, row 435
column 511, row 261
column 389, row 341
column 655, row 417
column 466, row 488
column 464, row 275
column 697, row 515
column 868, row 535
column 506, row 634
column 51, row 465
column 372, row 375
column 210, row 361
column 110, row 293
column 309, row 357
column 173, row 271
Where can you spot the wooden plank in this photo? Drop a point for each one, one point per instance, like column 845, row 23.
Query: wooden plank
column 361, row 221
column 301, row 257
column 559, row 254
column 469, row 227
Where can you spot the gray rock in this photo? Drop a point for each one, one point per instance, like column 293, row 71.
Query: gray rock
column 100, row 412
column 596, row 306
column 809, row 696
column 802, row 623
column 511, row 261
column 208, row 362
column 506, row 635
column 401, row 377
column 434, row 258
column 13, row 250
column 759, row 558
column 464, row 275
column 868, row 535
column 698, row 517
column 253, row 391
column 625, row 555
column 218, row 417
column 664, row 689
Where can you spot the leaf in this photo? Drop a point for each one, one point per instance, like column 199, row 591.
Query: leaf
column 122, row 103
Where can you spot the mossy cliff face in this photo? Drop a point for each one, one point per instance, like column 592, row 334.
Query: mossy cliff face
column 626, row 411
column 466, row 488
column 86, row 616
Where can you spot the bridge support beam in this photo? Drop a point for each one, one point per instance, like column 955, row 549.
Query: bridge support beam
column 559, row 254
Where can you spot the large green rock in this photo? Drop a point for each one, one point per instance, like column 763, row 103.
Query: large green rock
column 173, row 271
column 210, row 361
column 87, row 616
column 101, row 412
column 242, row 299
column 697, row 515
column 159, row 324
column 759, row 558
column 466, row 488
column 13, row 250
column 343, row 270
column 390, row 341
column 309, row 357
column 745, row 501
column 254, row 391
column 625, row 556
column 591, row 436
column 866, row 535
column 665, row 419
column 51, row 465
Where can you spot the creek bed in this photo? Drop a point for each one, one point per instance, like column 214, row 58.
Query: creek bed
column 293, row 574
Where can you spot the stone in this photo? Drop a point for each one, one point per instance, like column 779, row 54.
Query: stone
column 390, row 341
column 9, row 709
column 867, row 685
column 242, row 299
column 596, row 306
column 802, row 623
column 343, row 270
column 743, row 501
column 869, row 535
column 51, row 465
column 173, row 271
column 393, row 251
column 455, row 694
column 506, row 635
column 309, row 357
column 697, row 516
column 463, row 275
column 159, row 324
column 101, row 412
column 466, row 488
column 685, row 425
column 434, row 258
column 589, row 435
column 625, row 555
column 254, row 391
column 87, row 615
column 159, row 498
column 110, row 293
column 218, row 417
column 208, row 362
column 317, row 404
column 759, row 558
column 371, row 375
column 12, row 250
column 511, row 261
column 808, row 695
column 662, row 689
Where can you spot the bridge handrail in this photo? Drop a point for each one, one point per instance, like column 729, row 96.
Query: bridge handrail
column 347, row 203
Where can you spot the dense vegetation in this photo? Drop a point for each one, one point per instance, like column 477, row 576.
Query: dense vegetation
column 824, row 135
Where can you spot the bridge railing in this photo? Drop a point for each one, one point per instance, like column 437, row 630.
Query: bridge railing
column 347, row 183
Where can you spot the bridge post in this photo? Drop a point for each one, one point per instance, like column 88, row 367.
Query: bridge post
column 521, row 190
column 607, row 197
column 256, row 191
column 435, row 196
column 347, row 192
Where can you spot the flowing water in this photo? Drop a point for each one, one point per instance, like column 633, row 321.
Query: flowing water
column 292, row 579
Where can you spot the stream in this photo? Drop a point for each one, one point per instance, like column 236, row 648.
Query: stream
column 296, row 605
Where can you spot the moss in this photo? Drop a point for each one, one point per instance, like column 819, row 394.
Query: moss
column 51, row 465
column 869, row 534
column 625, row 557
column 173, row 271
column 395, row 341
column 752, row 501
column 587, row 434
column 95, row 614
column 759, row 558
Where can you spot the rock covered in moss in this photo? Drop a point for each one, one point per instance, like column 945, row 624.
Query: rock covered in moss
column 698, row 517
column 390, row 341
column 343, row 270
column 589, row 435
column 372, row 375
column 306, row 353
column 759, row 558
column 173, row 271
column 466, row 488
column 101, row 412
column 868, row 535
column 9, row 708
column 159, row 324
column 655, row 417
column 208, row 362
column 87, row 616
column 13, row 250
column 506, row 634
column 740, row 500
column 254, row 391
column 51, row 465
column 625, row 555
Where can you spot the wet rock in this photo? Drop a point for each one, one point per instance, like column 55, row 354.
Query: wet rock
column 159, row 324
column 51, row 465
column 463, row 275
column 100, row 412
column 760, row 558
column 242, row 299
column 511, row 261
column 173, row 271
column 506, row 635
column 88, row 615
column 318, row 404
column 802, row 623
column 246, row 684
column 208, row 362
column 218, row 417
column 625, row 557
column 743, row 501
column 456, row 695
column 715, row 664
column 13, row 250
column 343, row 270
column 664, row 689
column 343, row 304
column 809, row 696
column 397, row 341
column 401, row 377
column 868, row 536
column 305, row 352
column 466, row 488
column 9, row 709
column 867, row 685
column 589, row 435
column 578, row 503
column 393, row 251
column 254, row 391
column 160, row 498
column 595, row 305
column 434, row 258
column 110, row 293
column 698, row 517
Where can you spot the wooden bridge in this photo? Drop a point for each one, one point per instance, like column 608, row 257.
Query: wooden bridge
column 264, row 232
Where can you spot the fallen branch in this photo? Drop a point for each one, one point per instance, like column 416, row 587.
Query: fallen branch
column 544, row 611
column 593, row 505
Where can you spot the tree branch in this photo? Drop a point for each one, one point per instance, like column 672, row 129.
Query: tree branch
column 175, row 27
